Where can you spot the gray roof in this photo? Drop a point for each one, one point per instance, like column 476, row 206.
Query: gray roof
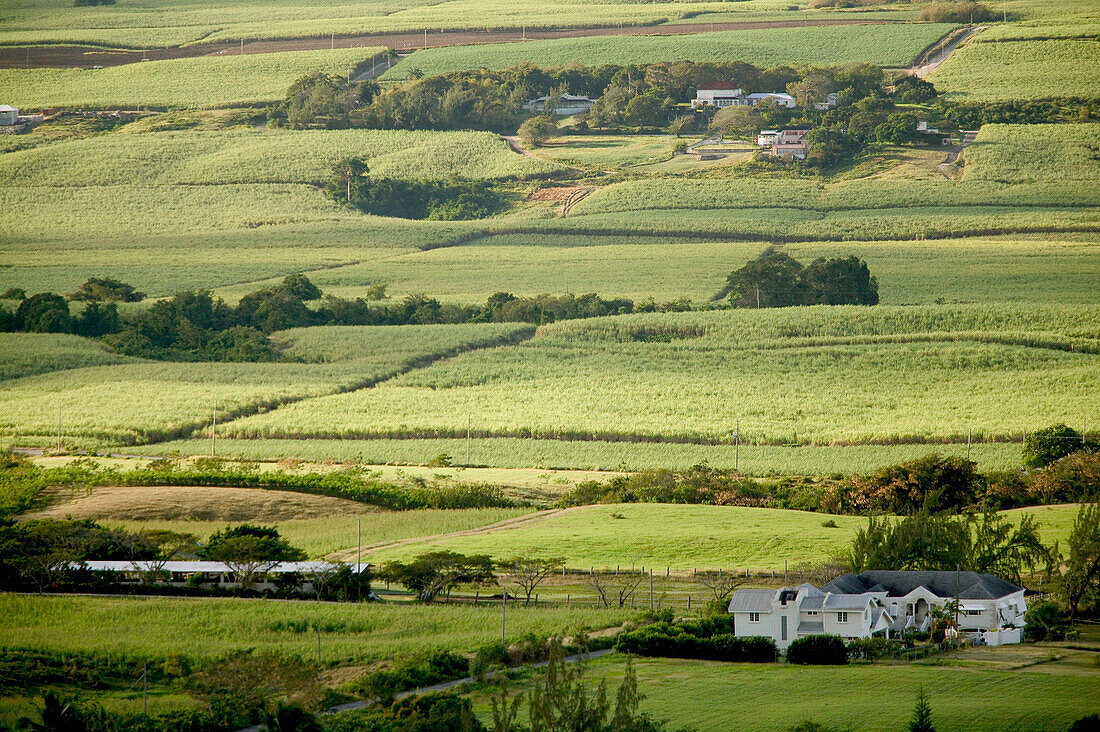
column 110, row 565
column 7, row 108
column 812, row 602
column 755, row 601
column 897, row 583
column 811, row 628
column 846, row 602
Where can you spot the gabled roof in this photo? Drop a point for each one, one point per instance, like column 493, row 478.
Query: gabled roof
column 755, row 601
column 811, row 628
column 719, row 86
column 7, row 108
column 139, row 565
column 846, row 602
column 897, row 583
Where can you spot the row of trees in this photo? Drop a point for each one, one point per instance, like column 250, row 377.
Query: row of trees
column 352, row 184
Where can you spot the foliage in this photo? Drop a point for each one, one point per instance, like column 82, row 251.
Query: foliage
column 405, row 674
column 821, row 650
column 1000, row 71
column 437, row 572
column 1043, row 447
column 537, row 130
column 914, row 90
column 249, row 551
column 421, row 713
column 922, row 715
column 450, row 201
column 932, row 483
column 528, row 572
column 1080, row 578
column 238, row 685
column 710, row 639
column 107, row 289
column 1044, row 620
column 960, row 11
column 941, row 542
column 775, row 279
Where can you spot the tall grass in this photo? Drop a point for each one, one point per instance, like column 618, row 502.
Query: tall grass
column 27, row 354
column 1028, row 69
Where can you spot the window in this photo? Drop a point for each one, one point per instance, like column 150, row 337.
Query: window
column 783, row 627
column 973, row 612
column 812, row 613
column 842, row 617
column 754, row 617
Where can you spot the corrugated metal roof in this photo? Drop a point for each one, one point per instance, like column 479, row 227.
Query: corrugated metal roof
column 755, row 601
column 811, row 628
column 104, row 565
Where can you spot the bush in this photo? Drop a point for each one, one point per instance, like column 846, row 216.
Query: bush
column 1045, row 621
column 818, row 650
column 957, row 12
column 537, row 130
column 412, row 673
column 710, row 639
column 1044, row 446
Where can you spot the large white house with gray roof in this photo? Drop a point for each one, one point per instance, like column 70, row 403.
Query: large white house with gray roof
column 991, row 610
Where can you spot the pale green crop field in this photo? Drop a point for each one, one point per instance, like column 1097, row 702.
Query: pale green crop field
column 511, row 452
column 192, row 83
column 320, row 537
column 247, row 156
column 1021, row 69
column 767, row 697
column 690, row 536
column 27, row 354
column 841, row 374
column 153, row 400
column 202, row 628
column 886, row 45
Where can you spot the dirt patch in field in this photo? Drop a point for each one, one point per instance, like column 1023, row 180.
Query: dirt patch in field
column 557, row 194
column 167, row 503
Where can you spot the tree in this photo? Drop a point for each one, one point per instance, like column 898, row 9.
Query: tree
column 721, row 584
column 97, row 320
column 930, row 483
column 167, row 545
column 1043, row 447
column 300, row 286
column 1045, row 621
column 737, row 121
column 615, row 590
column 537, row 130
column 434, row 573
column 815, row 86
column 963, row 11
column 528, row 573
column 1080, row 580
column 922, row 715
column 645, row 109
column 107, row 289
column 913, row 89
column 772, row 280
column 681, row 124
column 839, row 281
column 44, row 313
column 899, row 128
column 239, row 685
column 320, row 100
column 999, row 547
column 249, row 551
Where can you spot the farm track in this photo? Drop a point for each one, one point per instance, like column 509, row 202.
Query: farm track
column 86, row 56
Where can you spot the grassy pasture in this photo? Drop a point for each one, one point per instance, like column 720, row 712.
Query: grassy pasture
column 513, row 452
column 766, row 697
column 129, row 402
column 195, row 83
column 203, row 628
column 816, row 376
column 1025, row 69
column 691, row 536
column 887, row 45
column 27, row 354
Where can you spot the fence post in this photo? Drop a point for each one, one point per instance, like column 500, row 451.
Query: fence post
column 689, row 602
column 477, row 594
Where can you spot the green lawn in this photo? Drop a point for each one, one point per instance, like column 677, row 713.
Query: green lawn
column 715, row 696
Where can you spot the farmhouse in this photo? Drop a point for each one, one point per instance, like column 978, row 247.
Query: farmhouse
column 991, row 610
column 782, row 100
column 565, row 106
column 786, row 144
column 831, row 102
column 718, row 94
column 8, row 115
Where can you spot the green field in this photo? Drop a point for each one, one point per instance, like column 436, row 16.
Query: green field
column 886, row 45
column 27, row 354
column 192, row 83
column 131, row 402
column 817, row 376
column 691, row 536
column 207, row 627
column 998, row 70
column 762, row 698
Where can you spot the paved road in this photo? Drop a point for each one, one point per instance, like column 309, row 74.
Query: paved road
column 351, row 706
column 968, row 139
column 941, row 55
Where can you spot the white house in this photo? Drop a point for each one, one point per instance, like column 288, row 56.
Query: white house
column 783, row 100
column 831, row 102
column 859, row 606
column 767, row 138
column 567, row 105
column 718, row 94
column 787, row 144
column 8, row 115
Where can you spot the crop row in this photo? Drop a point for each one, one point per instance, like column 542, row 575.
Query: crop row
column 1006, row 70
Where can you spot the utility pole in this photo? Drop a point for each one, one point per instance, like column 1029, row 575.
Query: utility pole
column 59, row 426
column 757, row 297
column 318, row 646
column 425, row 38
column 467, row 439
column 242, row 46
column 969, row 434
column 213, row 430
column 145, row 688
column 1004, row 6
column 737, row 448
column 332, row 46
column 358, row 553
column 504, row 619
column 651, row 589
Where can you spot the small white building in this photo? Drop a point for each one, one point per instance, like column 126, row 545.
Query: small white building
column 718, row 94
column 854, row 606
column 8, row 115
column 782, row 100
column 831, row 102
column 567, row 105
column 767, row 138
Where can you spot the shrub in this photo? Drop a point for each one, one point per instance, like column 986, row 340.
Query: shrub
column 957, row 12
column 412, row 673
column 710, row 639
column 1045, row 621
column 537, row 130
column 818, row 650
column 1044, row 446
